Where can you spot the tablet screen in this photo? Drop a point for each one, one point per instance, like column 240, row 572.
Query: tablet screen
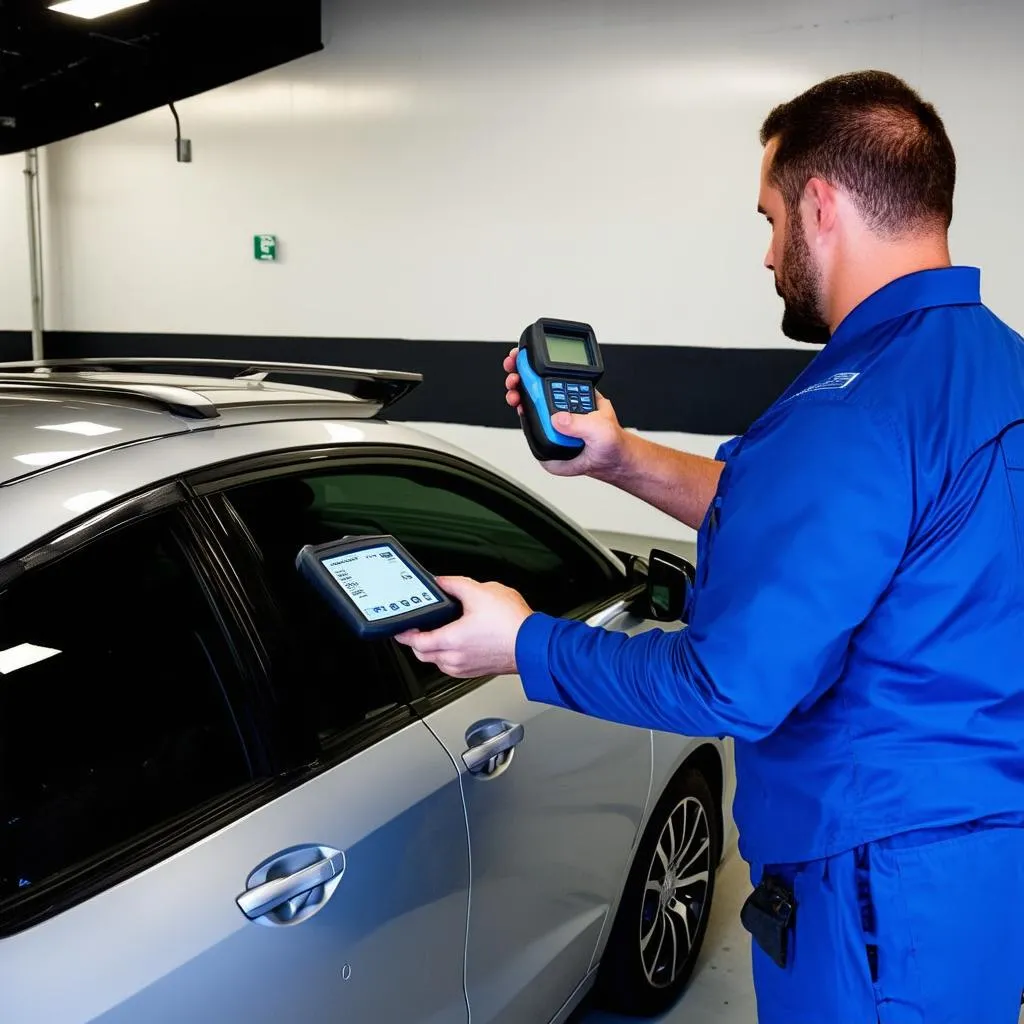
column 379, row 582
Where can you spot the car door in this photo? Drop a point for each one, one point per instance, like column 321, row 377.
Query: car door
column 552, row 825
column 165, row 854
column 554, row 799
column 552, row 821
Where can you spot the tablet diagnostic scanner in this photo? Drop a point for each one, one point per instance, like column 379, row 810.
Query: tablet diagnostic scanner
column 375, row 586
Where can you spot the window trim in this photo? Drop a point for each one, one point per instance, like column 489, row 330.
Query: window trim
column 53, row 546
column 451, row 688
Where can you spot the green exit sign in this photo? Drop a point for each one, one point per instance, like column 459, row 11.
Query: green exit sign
column 264, row 247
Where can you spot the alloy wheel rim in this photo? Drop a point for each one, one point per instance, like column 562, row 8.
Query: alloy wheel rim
column 675, row 898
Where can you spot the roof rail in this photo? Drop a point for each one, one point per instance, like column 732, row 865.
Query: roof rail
column 380, row 386
column 179, row 401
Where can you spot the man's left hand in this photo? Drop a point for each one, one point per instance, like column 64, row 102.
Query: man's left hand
column 482, row 641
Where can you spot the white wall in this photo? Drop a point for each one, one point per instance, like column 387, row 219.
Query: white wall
column 457, row 168
column 15, row 289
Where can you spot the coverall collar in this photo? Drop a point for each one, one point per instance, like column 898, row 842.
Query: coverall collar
column 925, row 289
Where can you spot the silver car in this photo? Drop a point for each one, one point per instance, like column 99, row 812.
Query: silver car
column 218, row 805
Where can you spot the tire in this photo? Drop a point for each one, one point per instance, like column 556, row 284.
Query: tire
column 641, row 974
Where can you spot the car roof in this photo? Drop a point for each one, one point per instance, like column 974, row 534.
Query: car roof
column 52, row 413
column 74, row 442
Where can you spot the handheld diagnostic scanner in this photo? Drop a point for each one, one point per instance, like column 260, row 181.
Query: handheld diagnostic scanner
column 559, row 363
column 375, row 586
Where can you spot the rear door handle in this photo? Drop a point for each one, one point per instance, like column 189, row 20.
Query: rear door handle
column 289, row 894
column 489, row 743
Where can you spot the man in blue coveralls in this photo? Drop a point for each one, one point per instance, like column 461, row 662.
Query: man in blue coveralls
column 857, row 622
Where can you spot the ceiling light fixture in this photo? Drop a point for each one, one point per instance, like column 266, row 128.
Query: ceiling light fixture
column 93, row 8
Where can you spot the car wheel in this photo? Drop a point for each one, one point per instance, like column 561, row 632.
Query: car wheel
column 663, row 914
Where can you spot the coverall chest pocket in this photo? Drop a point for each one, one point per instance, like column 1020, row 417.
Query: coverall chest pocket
column 1012, row 447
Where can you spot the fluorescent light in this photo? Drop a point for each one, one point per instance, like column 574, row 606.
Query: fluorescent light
column 83, row 427
column 45, row 458
column 22, row 656
column 93, row 8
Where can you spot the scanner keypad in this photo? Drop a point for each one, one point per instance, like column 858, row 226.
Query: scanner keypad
column 571, row 396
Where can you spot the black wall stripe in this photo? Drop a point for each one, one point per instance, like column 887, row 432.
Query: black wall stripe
column 688, row 389
column 15, row 345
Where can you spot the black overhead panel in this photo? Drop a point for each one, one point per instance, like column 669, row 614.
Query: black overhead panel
column 62, row 75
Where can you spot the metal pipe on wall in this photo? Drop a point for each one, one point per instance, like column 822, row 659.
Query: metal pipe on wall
column 35, row 248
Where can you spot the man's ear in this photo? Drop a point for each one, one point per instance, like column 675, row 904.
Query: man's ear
column 820, row 205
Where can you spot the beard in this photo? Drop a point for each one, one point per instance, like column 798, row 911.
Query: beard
column 799, row 287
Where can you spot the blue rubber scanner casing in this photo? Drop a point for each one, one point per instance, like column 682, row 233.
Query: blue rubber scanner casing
column 549, row 385
column 553, row 443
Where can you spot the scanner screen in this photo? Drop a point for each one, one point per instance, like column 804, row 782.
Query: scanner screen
column 379, row 583
column 567, row 350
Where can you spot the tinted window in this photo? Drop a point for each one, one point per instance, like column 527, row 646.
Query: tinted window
column 336, row 682
column 113, row 716
column 452, row 524
column 452, row 533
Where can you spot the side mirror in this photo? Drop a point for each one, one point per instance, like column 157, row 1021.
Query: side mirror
column 670, row 580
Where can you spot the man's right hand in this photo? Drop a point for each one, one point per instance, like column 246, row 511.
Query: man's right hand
column 603, row 437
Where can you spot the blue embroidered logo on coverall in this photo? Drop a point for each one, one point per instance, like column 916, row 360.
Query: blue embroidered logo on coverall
column 837, row 380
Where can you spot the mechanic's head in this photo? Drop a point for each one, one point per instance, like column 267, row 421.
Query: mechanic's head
column 857, row 183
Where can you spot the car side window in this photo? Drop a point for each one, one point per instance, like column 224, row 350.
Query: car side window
column 452, row 524
column 113, row 714
column 335, row 682
column 457, row 529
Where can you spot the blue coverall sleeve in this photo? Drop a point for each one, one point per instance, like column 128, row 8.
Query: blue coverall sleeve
column 813, row 518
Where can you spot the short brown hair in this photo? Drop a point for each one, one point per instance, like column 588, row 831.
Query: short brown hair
column 872, row 135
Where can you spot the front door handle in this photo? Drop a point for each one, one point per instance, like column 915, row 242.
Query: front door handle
column 281, row 892
column 491, row 745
